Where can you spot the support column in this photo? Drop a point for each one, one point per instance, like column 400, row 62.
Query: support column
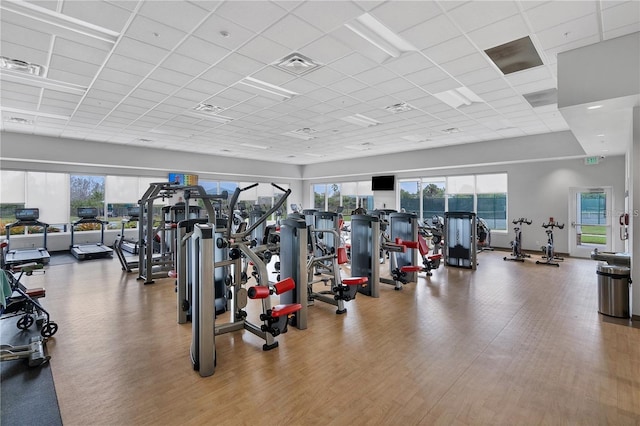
column 634, row 215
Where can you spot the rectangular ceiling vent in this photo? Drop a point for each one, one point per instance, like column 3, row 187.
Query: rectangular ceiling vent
column 542, row 98
column 517, row 55
column 297, row 64
column 397, row 108
column 306, row 133
column 20, row 66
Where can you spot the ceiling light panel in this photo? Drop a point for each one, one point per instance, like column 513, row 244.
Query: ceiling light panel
column 514, row 56
column 40, row 82
column 264, row 88
column 378, row 35
column 361, row 120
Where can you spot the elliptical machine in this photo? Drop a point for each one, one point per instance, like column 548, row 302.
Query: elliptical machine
column 516, row 245
column 548, row 250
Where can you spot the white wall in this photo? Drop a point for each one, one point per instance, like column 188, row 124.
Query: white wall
column 634, row 214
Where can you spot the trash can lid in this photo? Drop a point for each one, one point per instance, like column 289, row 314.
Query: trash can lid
column 613, row 269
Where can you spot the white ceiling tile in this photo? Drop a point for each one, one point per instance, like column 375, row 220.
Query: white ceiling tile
column 324, row 76
column 400, row 15
column 622, row 15
column 23, row 53
column 137, row 50
column 253, row 15
column 301, row 85
column 408, row 63
column 264, row 50
column 273, row 75
column 466, row 64
column 479, row 76
column 358, row 44
column 396, row 85
column 450, row 50
column 352, row 64
column 117, row 76
column 205, row 87
column 431, row 32
column 348, row 85
column 221, row 77
column 427, row 76
column 181, row 15
column 100, row 13
column 477, row 14
column 323, row 94
column 109, row 86
column 500, row 32
column 74, row 50
column 202, row 50
column 528, row 76
column 325, row 50
column 14, row 30
column 130, row 65
column 292, row 32
column 154, row 33
column 68, row 77
column 622, row 31
column 577, row 29
column 240, row 64
column 316, row 14
column 441, row 86
column 158, row 86
column 60, row 63
column 375, row 76
column 553, row 13
column 171, row 77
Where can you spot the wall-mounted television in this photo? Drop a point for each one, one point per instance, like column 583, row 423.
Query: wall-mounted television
column 383, row 183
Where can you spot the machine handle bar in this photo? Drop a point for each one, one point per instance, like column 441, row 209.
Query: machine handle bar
column 522, row 220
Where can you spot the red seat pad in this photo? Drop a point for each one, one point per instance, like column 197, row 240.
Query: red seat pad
column 284, row 285
column 172, row 274
column 435, row 257
column 411, row 268
column 423, row 246
column 355, row 280
column 36, row 292
column 281, row 310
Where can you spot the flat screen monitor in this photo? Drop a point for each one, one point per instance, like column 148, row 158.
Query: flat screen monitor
column 383, row 183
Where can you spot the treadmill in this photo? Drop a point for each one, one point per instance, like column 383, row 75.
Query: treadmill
column 130, row 246
column 89, row 215
column 26, row 217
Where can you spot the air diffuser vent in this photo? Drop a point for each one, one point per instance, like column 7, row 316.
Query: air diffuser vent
column 401, row 107
column 20, row 66
column 515, row 56
column 297, row 64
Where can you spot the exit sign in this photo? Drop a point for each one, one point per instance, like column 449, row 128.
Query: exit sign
column 591, row 160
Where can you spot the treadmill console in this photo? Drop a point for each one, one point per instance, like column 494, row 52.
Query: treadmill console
column 87, row 212
column 27, row 215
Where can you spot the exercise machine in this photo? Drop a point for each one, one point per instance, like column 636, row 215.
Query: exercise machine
column 202, row 265
column 549, row 251
column 89, row 216
column 460, row 239
column 402, row 249
column 129, row 245
column 484, row 236
column 365, row 249
column 516, row 245
column 25, row 218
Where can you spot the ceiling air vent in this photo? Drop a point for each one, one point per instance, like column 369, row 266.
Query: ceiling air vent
column 20, row 66
column 517, row 55
column 542, row 98
column 401, row 107
column 297, row 64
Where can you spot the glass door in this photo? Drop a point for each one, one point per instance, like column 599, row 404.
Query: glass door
column 590, row 221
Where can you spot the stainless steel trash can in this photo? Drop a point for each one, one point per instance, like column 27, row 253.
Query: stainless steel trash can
column 613, row 290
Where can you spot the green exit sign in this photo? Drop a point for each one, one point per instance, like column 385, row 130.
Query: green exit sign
column 591, row 160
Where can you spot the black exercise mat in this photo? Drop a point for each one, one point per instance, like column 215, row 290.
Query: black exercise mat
column 27, row 394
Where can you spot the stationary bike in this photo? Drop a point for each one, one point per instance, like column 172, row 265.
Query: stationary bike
column 516, row 245
column 548, row 250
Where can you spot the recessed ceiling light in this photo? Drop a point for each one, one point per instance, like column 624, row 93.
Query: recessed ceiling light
column 264, row 87
column 542, row 97
column 376, row 33
column 35, row 113
column 594, row 107
column 600, row 135
column 456, row 98
column 250, row 145
column 361, row 120
column 401, row 107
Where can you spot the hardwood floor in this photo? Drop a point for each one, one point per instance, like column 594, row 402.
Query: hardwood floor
column 508, row 344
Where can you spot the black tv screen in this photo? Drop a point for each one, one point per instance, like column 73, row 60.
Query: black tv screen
column 383, row 183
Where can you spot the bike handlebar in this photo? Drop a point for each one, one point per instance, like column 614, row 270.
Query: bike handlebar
column 552, row 225
column 521, row 221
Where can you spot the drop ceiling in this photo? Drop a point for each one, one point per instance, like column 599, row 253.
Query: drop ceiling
column 296, row 82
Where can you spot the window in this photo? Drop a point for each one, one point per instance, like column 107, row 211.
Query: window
column 333, row 197
column 433, row 199
column 12, row 185
column 86, row 191
column 460, row 191
column 410, row 196
column 319, row 193
column 49, row 192
column 491, row 193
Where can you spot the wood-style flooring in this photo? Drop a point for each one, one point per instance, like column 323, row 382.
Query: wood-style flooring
column 508, row 344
